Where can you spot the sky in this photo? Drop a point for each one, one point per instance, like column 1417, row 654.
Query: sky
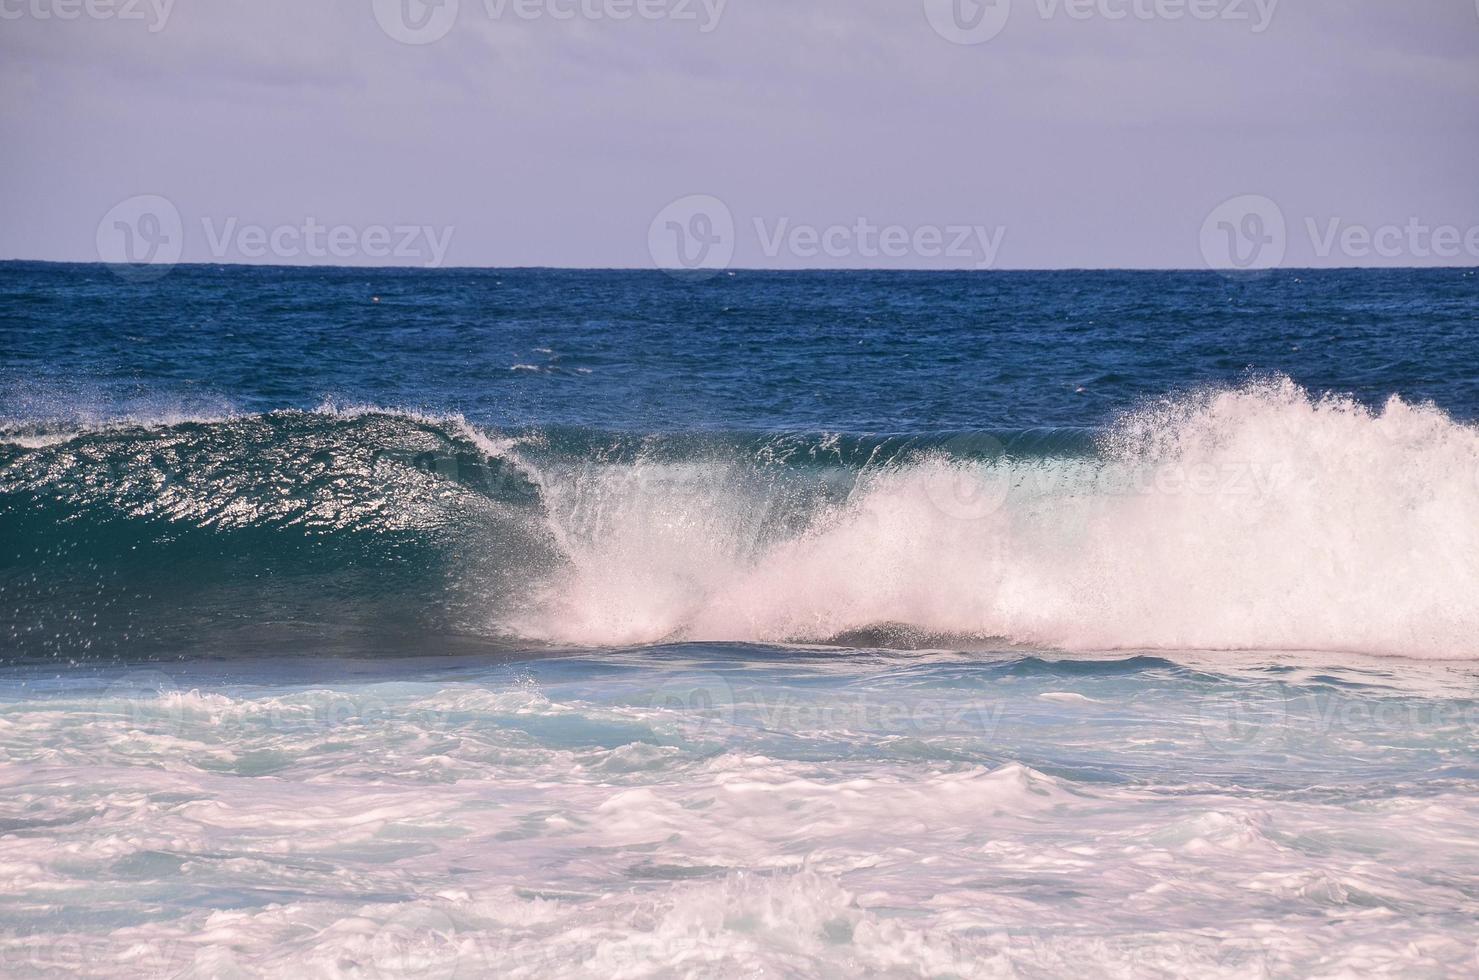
column 705, row 134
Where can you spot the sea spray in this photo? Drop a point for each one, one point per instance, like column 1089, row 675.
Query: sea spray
column 1258, row 517
column 1255, row 517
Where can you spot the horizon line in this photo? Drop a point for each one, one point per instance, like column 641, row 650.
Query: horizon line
column 704, row 274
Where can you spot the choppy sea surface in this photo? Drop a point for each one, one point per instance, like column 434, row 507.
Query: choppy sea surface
column 363, row 623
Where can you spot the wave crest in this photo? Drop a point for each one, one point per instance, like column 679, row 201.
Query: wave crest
column 1258, row 517
column 1254, row 518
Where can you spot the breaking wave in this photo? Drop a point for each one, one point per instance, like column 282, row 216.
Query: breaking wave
column 1257, row 517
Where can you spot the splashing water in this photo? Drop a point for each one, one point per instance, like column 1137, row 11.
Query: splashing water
column 1254, row 518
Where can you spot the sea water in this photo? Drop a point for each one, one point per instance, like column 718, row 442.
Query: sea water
column 515, row 622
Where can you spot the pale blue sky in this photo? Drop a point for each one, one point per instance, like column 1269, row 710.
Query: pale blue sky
column 541, row 141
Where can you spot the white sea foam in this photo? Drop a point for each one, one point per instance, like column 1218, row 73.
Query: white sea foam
column 588, row 825
column 1255, row 518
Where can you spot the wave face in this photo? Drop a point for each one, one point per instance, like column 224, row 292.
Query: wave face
column 1256, row 517
column 352, row 530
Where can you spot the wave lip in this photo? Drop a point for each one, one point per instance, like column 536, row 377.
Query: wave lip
column 288, row 531
column 1259, row 517
column 1253, row 518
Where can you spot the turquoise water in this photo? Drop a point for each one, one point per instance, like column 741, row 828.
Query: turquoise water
column 531, row 623
column 706, row 809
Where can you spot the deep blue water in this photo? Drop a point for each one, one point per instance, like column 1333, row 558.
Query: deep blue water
column 237, row 459
column 833, row 351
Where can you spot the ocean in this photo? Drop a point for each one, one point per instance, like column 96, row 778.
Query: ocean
column 454, row 623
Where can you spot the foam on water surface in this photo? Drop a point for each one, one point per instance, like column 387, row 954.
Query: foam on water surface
column 1210, row 541
column 708, row 811
column 1251, row 518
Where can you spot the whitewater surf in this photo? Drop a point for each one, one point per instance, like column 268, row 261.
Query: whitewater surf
column 1257, row 517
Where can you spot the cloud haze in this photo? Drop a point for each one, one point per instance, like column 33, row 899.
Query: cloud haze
column 533, row 138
